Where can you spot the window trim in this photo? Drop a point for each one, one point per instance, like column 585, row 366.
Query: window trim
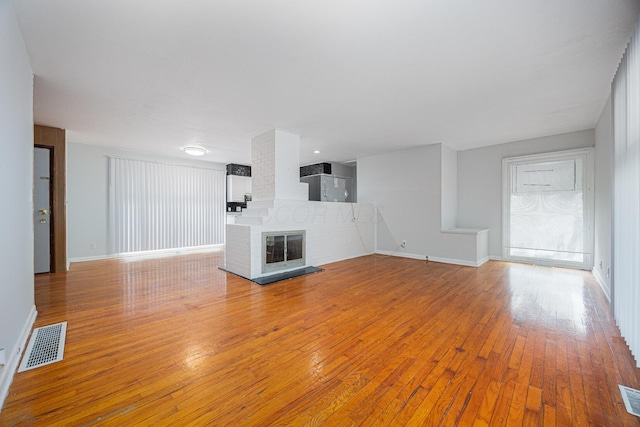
column 587, row 155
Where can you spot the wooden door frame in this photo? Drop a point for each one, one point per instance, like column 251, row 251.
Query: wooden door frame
column 55, row 140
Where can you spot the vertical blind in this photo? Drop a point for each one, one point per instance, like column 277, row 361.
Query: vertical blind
column 626, row 195
column 161, row 206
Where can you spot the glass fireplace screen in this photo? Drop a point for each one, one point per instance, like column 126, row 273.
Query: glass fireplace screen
column 282, row 250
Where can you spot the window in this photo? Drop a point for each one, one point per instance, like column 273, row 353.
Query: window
column 548, row 209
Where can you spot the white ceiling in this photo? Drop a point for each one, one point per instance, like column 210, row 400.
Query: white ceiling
column 352, row 77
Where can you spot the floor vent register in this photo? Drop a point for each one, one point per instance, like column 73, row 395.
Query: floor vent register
column 46, row 346
column 631, row 399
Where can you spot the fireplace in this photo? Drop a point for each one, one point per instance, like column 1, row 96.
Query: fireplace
column 282, row 250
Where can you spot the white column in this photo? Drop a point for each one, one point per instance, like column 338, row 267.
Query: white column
column 275, row 168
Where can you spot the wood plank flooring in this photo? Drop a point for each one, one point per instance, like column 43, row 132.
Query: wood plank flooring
column 375, row 340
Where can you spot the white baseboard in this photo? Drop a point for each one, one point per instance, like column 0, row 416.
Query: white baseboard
column 435, row 259
column 13, row 357
column 150, row 254
column 602, row 283
column 89, row 258
column 320, row 264
column 459, row 261
column 482, row 261
column 402, row 254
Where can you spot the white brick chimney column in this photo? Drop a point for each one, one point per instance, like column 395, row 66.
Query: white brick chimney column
column 275, row 167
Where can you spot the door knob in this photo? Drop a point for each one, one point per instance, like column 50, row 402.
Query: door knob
column 43, row 221
column 42, row 212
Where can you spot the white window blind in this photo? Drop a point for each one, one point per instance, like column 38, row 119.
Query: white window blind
column 626, row 195
column 161, row 206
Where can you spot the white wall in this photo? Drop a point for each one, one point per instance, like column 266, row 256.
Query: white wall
column 405, row 185
column 88, row 195
column 480, row 179
column 17, row 310
column 602, row 231
column 416, row 201
column 449, row 188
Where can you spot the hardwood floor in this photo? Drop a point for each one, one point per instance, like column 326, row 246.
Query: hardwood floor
column 372, row 341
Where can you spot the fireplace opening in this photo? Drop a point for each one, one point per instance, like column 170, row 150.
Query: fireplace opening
column 282, row 250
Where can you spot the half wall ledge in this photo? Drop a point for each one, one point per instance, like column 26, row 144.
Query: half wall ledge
column 468, row 244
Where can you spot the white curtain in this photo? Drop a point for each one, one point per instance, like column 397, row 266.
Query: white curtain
column 548, row 208
column 626, row 195
column 161, row 206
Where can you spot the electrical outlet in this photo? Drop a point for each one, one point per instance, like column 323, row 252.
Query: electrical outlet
column 600, row 265
column 3, row 357
column 92, row 246
column 404, row 243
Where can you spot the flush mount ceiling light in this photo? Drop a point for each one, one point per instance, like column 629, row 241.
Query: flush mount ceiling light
column 316, row 152
column 194, row 150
